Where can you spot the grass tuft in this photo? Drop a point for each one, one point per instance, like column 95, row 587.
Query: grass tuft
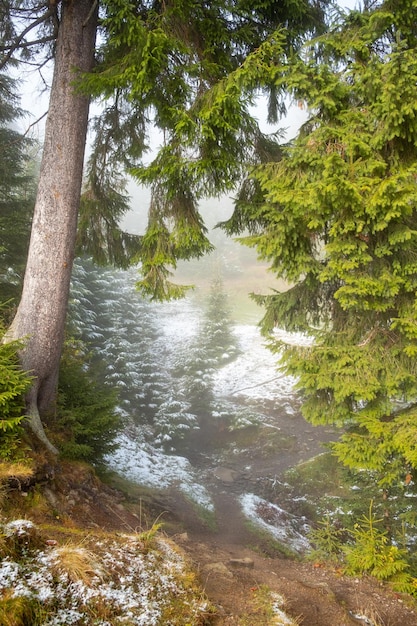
column 20, row 611
column 18, row 471
column 18, row 538
column 98, row 578
column 75, row 563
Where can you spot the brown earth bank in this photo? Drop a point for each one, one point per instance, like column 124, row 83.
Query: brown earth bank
column 233, row 566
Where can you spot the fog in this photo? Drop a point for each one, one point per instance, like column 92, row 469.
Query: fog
column 207, row 414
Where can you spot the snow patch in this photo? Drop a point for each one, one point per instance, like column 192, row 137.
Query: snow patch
column 254, row 373
column 283, row 526
column 140, row 462
column 137, row 587
column 280, row 617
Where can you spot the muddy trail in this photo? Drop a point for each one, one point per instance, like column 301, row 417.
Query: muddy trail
column 233, row 575
column 251, row 460
column 142, row 344
column 236, row 560
column 235, row 569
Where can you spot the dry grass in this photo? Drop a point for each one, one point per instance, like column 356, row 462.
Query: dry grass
column 58, row 571
column 76, row 563
column 18, row 537
column 18, row 471
column 59, row 581
column 20, row 611
column 370, row 616
column 268, row 609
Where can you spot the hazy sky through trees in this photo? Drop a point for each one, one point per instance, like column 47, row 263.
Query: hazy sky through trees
column 35, row 98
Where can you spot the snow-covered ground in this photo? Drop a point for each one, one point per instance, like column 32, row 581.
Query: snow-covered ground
column 248, row 375
column 140, row 462
column 253, row 376
column 106, row 581
column 283, row 526
column 170, row 377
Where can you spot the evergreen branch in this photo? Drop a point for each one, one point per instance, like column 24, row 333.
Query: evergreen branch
column 28, row 44
column 18, row 43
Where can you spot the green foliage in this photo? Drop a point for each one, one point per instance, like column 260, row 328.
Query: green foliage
column 335, row 214
column 373, row 553
column 13, row 385
column 162, row 245
column 366, row 548
column 169, row 65
column 148, row 538
column 103, row 205
column 326, row 540
column 87, row 418
column 16, row 193
column 165, row 66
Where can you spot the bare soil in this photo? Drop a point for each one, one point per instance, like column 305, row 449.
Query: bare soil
column 316, row 595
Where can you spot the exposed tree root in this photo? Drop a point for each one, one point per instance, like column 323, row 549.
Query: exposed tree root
column 35, row 424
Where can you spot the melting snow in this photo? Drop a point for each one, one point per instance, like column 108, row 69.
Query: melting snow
column 137, row 586
column 143, row 464
column 281, row 618
column 254, row 373
column 286, row 528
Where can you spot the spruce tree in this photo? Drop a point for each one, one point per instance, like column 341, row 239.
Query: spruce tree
column 117, row 326
column 213, row 347
column 17, row 193
column 335, row 213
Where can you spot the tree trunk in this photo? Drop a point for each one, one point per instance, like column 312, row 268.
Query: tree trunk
column 40, row 318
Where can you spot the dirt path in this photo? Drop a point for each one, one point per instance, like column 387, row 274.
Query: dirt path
column 234, row 564
column 316, row 595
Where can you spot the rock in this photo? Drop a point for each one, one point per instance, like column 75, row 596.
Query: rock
column 73, row 495
column 51, row 497
column 225, row 474
column 219, row 569
column 245, row 562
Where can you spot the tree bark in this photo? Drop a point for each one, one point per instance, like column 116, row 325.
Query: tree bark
column 40, row 318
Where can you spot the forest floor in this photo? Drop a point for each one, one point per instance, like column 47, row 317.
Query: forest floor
column 233, row 564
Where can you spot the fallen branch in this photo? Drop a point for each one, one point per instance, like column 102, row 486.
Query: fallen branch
column 264, row 382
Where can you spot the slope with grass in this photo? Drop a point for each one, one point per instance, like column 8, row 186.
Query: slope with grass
column 77, row 551
column 73, row 552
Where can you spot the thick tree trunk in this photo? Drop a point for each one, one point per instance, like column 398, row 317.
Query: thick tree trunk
column 40, row 318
